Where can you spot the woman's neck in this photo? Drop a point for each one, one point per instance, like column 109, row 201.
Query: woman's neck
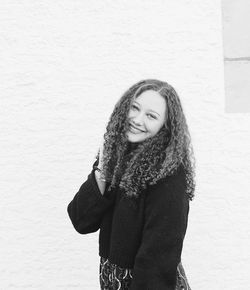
column 132, row 146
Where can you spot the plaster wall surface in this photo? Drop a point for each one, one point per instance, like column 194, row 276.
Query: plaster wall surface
column 64, row 65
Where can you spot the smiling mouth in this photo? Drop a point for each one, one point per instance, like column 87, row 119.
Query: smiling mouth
column 134, row 129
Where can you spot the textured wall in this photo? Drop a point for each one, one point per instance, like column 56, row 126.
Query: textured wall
column 63, row 67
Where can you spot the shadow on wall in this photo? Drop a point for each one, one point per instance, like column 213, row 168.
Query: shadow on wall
column 236, row 41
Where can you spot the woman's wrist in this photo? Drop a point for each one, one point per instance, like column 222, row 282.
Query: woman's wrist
column 97, row 168
column 100, row 182
column 98, row 173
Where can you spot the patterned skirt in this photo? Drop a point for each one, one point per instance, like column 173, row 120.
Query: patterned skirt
column 113, row 277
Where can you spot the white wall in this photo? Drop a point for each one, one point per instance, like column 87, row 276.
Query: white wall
column 64, row 64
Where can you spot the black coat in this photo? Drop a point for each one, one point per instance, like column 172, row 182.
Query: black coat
column 147, row 237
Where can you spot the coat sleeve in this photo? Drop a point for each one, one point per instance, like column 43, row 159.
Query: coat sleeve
column 166, row 214
column 89, row 205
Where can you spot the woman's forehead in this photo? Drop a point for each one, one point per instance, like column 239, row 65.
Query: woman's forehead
column 151, row 100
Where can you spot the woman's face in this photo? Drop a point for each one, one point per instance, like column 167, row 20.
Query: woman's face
column 146, row 116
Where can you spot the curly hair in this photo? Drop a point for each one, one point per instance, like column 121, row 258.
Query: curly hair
column 134, row 166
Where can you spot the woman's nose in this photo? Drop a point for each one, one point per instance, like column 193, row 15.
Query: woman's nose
column 138, row 119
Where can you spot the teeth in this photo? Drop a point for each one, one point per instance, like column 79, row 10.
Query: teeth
column 135, row 129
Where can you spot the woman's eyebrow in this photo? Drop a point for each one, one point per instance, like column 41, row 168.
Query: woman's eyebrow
column 149, row 109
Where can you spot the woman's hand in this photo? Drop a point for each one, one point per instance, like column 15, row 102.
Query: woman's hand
column 101, row 182
column 101, row 155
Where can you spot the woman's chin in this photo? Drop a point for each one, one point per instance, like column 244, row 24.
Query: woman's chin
column 133, row 138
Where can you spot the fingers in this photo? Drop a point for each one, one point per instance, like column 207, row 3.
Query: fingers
column 101, row 152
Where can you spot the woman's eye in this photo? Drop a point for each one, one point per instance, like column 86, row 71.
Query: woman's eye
column 134, row 107
column 152, row 116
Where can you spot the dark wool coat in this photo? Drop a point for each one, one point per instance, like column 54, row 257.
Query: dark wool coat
column 146, row 236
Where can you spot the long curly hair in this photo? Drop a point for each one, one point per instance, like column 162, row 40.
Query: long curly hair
column 134, row 166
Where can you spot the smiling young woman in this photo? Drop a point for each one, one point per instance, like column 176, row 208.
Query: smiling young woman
column 146, row 116
column 138, row 191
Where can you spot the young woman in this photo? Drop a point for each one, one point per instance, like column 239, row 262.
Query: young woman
column 138, row 191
